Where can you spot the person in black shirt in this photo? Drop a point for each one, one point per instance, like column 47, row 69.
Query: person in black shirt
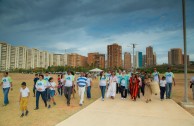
column 35, row 80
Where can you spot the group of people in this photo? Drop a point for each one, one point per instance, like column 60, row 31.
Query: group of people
column 136, row 83
column 110, row 84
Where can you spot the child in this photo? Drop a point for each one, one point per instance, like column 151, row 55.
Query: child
column 6, row 84
column 24, row 96
column 51, row 86
column 35, row 80
column 162, row 88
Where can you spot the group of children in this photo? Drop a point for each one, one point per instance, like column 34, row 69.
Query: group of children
column 122, row 83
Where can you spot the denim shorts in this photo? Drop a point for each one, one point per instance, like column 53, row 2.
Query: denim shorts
column 52, row 93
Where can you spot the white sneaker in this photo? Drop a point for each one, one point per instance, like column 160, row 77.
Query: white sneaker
column 122, row 98
column 102, row 99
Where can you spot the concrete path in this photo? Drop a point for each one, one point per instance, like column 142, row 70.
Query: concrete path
column 128, row 113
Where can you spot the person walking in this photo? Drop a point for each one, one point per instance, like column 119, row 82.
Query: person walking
column 112, row 86
column 192, row 85
column 81, row 85
column 46, row 78
column 124, row 85
column 68, row 86
column 156, row 76
column 117, row 84
column 134, row 85
column 51, row 85
column 41, row 86
column 169, row 80
column 140, row 85
column 102, row 84
column 89, row 85
column 35, row 80
column 162, row 88
column 6, row 84
column 148, row 91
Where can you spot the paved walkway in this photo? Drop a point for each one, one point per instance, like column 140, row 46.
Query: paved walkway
column 125, row 112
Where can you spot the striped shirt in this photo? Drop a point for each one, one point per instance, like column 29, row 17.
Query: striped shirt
column 82, row 81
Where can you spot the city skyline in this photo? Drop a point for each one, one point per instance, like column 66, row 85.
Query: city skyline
column 89, row 26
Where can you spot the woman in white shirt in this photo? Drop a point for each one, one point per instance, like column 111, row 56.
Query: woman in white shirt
column 192, row 85
column 51, row 85
column 89, row 85
column 102, row 84
column 162, row 88
column 112, row 86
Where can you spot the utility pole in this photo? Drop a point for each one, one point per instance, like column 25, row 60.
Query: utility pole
column 185, row 53
column 133, row 46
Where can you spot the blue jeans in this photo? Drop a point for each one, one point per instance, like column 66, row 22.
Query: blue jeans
column 89, row 92
column 6, row 92
column 43, row 95
column 103, row 89
column 168, row 90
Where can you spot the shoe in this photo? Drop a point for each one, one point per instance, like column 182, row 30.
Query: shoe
column 45, row 105
column 80, row 104
column 68, row 104
column 54, row 103
column 4, row 105
column 36, row 108
column 22, row 115
column 26, row 112
column 49, row 106
column 102, row 99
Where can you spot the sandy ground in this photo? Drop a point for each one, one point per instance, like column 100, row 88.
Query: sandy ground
column 10, row 115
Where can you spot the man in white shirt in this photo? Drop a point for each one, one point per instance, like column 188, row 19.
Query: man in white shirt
column 6, row 83
column 192, row 85
column 169, row 80
column 68, row 86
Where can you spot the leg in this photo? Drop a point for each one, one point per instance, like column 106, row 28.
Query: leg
column 89, row 92
column 82, row 94
column 170, row 89
column 6, row 92
column 34, row 90
column 122, row 91
column 66, row 92
column 69, row 95
column 142, row 89
column 37, row 99
column 160, row 92
column 43, row 95
column 103, row 91
column 167, row 90
column 125, row 93
column 193, row 91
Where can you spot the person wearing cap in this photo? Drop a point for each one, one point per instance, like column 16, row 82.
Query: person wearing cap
column 169, row 80
column 156, row 76
column 124, row 85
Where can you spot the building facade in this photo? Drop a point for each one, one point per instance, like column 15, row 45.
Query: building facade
column 149, row 56
column 114, row 57
column 30, row 59
column 175, row 56
column 127, row 61
column 14, row 57
column 5, row 51
column 96, row 60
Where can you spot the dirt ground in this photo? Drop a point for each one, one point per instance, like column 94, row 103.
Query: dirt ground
column 10, row 115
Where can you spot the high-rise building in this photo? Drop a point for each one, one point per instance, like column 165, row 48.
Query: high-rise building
column 36, row 58
column 139, row 60
column 76, row 60
column 30, row 59
column 22, row 57
column 51, row 59
column 144, row 61
column 114, row 55
column 5, row 51
column 44, row 59
column 175, row 56
column 14, row 57
column 154, row 59
column 127, row 60
column 96, row 60
column 57, row 59
column 149, row 56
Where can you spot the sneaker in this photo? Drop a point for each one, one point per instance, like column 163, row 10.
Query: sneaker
column 54, row 103
column 22, row 115
column 122, row 98
column 26, row 112
column 36, row 108
column 102, row 99
column 49, row 106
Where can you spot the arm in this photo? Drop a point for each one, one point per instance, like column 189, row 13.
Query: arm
column 174, row 81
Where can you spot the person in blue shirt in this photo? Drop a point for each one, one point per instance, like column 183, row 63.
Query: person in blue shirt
column 81, row 85
column 123, row 82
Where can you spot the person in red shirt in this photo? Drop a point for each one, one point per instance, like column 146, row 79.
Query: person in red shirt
column 133, row 86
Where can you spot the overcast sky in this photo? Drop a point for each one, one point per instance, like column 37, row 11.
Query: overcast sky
column 84, row 26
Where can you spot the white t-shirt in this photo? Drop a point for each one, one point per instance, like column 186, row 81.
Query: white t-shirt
column 41, row 84
column 89, row 81
column 162, row 83
column 46, row 78
column 103, row 80
column 6, row 82
column 169, row 77
column 155, row 76
column 24, row 92
column 53, row 84
column 113, row 79
column 69, row 80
